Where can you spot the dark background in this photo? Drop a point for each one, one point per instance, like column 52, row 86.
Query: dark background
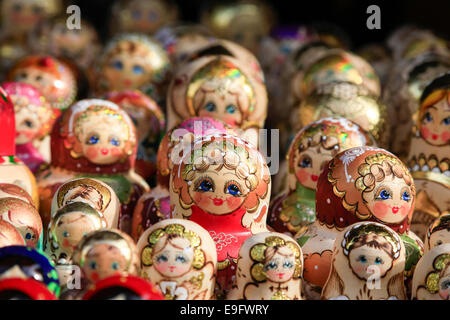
column 350, row 15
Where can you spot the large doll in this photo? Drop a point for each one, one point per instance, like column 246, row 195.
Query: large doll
column 223, row 184
column 368, row 264
column 310, row 151
column 428, row 158
column 94, row 138
column 359, row 184
column 34, row 120
column 180, row 258
column 270, row 267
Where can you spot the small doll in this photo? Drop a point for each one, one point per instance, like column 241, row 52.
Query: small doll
column 9, row 235
column 24, row 289
column 310, row 151
column 94, row 138
column 269, row 267
column 223, row 184
column 34, row 120
column 25, row 218
column 142, row 16
column 359, row 184
column 428, row 155
column 438, row 233
column 431, row 279
column 149, row 121
column 368, row 264
column 8, row 190
column 133, row 61
column 53, row 78
column 12, row 170
column 180, row 258
column 23, row 262
column 122, row 287
column 93, row 192
column 154, row 206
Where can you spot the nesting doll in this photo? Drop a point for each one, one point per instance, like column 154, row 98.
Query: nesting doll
column 154, row 206
column 438, row 233
column 223, row 184
column 34, row 118
column 428, row 155
column 93, row 192
column 180, row 258
column 25, row 218
column 132, row 61
column 24, row 262
column 12, row 170
column 379, row 57
column 9, row 235
column 431, row 279
column 53, row 78
column 312, row 148
column 359, row 184
column 24, row 289
column 142, row 16
column 368, row 264
column 95, row 139
column 123, row 288
column 105, row 253
column 269, row 267
column 149, row 121
column 8, row 190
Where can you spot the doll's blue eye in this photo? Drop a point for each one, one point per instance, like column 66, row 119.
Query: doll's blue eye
column 288, row 265
column 362, row 259
column 378, row 260
column 114, row 142
column 66, row 234
column 446, row 121
column 210, row 107
column 162, row 258
column 115, row 266
column 138, row 69
column 180, row 259
column 152, row 16
column 233, row 190
column 205, row 186
column 28, row 236
column 271, row 265
column 231, row 108
column 384, row 194
column 136, row 14
column 406, row 196
column 445, row 285
column 93, row 139
column 93, row 264
column 117, row 65
column 427, row 117
column 306, row 162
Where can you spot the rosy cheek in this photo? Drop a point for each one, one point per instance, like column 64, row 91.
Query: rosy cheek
column 360, row 268
column 445, row 136
column 91, row 152
column 233, row 202
column 230, row 120
column 425, row 132
column 161, row 267
column 302, row 175
column 271, row 274
column 443, row 294
column 381, row 209
column 116, row 152
column 404, row 210
column 201, row 199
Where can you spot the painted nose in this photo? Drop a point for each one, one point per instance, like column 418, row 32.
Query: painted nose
column 104, row 151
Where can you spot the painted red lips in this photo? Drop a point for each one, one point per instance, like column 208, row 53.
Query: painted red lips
column 314, row 177
column 395, row 209
column 217, row 201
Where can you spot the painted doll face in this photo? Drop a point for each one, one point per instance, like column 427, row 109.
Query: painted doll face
column 435, row 125
column 104, row 260
column 25, row 222
column 72, row 43
column 364, row 260
column 218, row 192
column 25, row 15
column 145, row 16
column 43, row 81
column 27, row 125
column 126, row 71
column 280, row 268
column 103, row 139
column 172, row 261
column 439, row 237
column 444, row 284
column 309, row 165
column 390, row 200
column 71, row 228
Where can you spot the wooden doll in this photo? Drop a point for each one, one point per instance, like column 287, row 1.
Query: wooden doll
column 154, row 206
column 269, row 267
column 223, row 184
column 431, row 279
column 428, row 156
column 34, row 120
column 180, row 258
column 368, row 264
column 438, row 233
column 312, row 148
column 95, row 138
column 8, row 190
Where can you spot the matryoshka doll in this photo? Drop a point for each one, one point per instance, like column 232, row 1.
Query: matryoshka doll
column 428, row 158
column 154, row 206
column 359, row 184
column 8, row 190
column 122, row 287
column 431, row 279
column 34, row 120
column 180, row 258
column 133, row 61
column 368, row 264
column 93, row 192
column 438, row 233
column 53, row 78
column 24, row 289
column 269, row 267
column 9, row 235
column 312, row 148
column 223, row 184
column 96, row 139
column 24, row 262
column 25, row 218
column 149, row 121
column 12, row 170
